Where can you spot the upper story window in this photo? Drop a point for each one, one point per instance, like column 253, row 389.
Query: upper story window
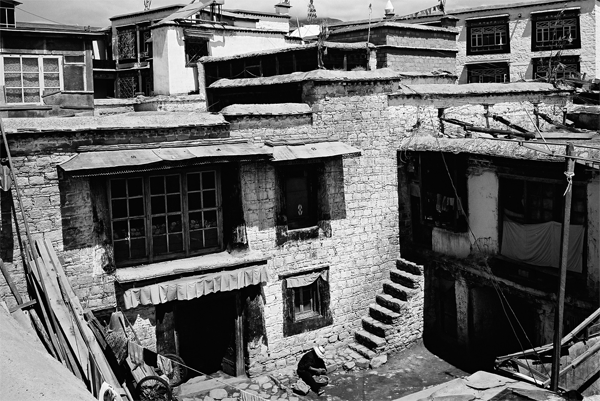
column 7, row 17
column 556, row 67
column 126, row 44
column 488, row 72
column 554, row 30
column 195, row 48
column 160, row 217
column 299, row 200
column 28, row 78
column 487, row 35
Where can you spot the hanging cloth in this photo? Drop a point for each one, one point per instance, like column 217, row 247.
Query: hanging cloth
column 165, row 365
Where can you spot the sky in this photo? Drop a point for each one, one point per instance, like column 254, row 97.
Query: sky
column 97, row 12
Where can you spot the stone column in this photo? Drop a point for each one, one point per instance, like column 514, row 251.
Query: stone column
column 461, row 289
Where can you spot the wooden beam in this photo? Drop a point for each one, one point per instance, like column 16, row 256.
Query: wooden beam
column 23, row 305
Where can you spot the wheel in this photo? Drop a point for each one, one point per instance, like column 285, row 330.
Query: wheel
column 180, row 372
column 153, row 388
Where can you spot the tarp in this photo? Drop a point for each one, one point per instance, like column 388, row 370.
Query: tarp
column 194, row 287
column 312, row 151
column 307, row 279
column 188, row 11
column 539, row 244
column 89, row 162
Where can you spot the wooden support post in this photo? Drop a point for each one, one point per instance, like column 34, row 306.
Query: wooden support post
column 564, row 253
column 240, row 368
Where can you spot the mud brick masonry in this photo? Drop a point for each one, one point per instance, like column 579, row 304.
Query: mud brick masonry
column 354, row 245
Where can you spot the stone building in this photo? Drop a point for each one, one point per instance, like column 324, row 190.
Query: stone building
column 239, row 239
column 45, row 69
column 527, row 40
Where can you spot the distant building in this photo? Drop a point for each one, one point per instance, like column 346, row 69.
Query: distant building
column 45, row 69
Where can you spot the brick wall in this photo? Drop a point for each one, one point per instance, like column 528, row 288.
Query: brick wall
column 415, row 60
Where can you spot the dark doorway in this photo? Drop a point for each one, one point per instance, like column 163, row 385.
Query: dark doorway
column 206, row 332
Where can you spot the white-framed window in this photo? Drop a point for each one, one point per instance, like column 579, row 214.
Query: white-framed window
column 7, row 17
column 28, row 77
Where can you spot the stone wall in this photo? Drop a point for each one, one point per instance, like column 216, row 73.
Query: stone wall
column 415, row 60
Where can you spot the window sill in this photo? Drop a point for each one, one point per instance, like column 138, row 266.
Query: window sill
column 24, row 106
column 180, row 267
column 321, row 230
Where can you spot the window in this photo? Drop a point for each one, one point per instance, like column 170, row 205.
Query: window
column 306, row 305
column 556, row 68
column 7, row 17
column 28, row 78
column 555, row 30
column 299, row 196
column 160, row 217
column 126, row 44
column 488, row 72
column 488, row 36
column 195, row 48
column 74, row 73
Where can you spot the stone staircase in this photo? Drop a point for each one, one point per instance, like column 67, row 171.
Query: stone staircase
column 397, row 309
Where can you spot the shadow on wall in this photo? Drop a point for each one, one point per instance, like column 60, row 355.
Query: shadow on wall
column 7, row 241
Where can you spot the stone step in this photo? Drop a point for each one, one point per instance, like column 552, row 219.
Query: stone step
column 409, row 267
column 376, row 327
column 390, row 302
column 403, row 278
column 369, row 340
column 397, row 290
column 362, row 350
column 383, row 314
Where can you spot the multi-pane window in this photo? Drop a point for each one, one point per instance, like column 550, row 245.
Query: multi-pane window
column 7, row 17
column 195, row 48
column 488, row 72
column 126, row 44
column 556, row 68
column 488, row 36
column 307, row 302
column 27, row 78
column 555, row 31
column 300, row 196
column 159, row 217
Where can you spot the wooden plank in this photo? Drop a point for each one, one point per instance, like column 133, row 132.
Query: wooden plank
column 10, row 282
column 23, row 305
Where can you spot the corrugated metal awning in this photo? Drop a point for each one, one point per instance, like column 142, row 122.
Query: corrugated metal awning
column 125, row 161
column 487, row 17
column 288, row 152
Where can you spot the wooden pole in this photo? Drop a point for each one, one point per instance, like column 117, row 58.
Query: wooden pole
column 564, row 253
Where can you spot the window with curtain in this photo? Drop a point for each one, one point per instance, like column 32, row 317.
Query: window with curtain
column 28, row 78
column 306, row 302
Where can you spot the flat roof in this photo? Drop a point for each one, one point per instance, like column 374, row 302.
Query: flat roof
column 151, row 11
column 393, row 24
column 55, row 28
column 477, row 89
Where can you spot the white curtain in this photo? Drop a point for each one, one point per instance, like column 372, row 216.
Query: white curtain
column 307, row 279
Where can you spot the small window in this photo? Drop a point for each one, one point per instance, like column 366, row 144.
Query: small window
column 488, row 36
column 488, row 72
column 306, row 302
column 194, row 50
column 556, row 68
column 28, row 78
column 555, row 31
column 7, row 17
column 299, row 196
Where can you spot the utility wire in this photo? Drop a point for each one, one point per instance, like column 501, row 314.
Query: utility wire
column 39, row 16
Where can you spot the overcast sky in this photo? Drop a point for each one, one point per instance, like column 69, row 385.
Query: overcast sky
column 97, row 12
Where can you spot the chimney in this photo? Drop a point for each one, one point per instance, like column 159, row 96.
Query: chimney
column 389, row 10
column 283, row 7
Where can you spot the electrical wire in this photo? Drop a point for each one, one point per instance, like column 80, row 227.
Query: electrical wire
column 39, row 16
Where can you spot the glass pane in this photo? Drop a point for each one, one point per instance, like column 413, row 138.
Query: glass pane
column 175, row 225
column 160, row 244
column 209, row 199
column 137, row 228
column 12, row 64
column 134, row 186
column 117, row 189
column 297, row 302
column 193, row 182
column 119, row 208
column 211, row 236
column 175, row 242
column 173, row 203
column 208, row 180
column 195, row 221
column 157, row 185
column 31, row 95
column 157, row 203
column 306, row 298
column 196, row 240
column 50, row 65
column 14, row 95
column 159, row 225
column 136, row 207
column 51, row 81
column 194, row 201
column 121, row 250
column 13, row 80
column 172, row 184
column 120, row 230
column 30, row 64
column 138, row 248
column 31, row 81
column 210, row 219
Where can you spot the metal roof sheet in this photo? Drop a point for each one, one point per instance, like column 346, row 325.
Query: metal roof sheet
column 316, row 150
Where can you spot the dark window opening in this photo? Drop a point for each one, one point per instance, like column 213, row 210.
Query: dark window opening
column 7, row 17
column 488, row 36
column 126, row 44
column 300, row 188
column 306, row 308
column 488, row 72
column 556, row 67
column 307, row 302
column 555, row 31
column 194, row 50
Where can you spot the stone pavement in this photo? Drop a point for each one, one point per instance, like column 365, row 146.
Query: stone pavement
column 352, row 378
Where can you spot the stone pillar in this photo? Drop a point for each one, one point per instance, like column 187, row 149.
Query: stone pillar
column 461, row 289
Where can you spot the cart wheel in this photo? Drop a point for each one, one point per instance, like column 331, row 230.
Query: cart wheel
column 153, row 388
column 180, row 372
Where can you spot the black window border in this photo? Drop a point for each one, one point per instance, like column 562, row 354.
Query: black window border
column 538, row 61
column 499, row 21
column 488, row 65
column 554, row 15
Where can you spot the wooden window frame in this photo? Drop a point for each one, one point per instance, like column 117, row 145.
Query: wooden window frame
column 572, row 67
column 185, row 212
column 496, row 70
column 312, row 172
column 189, row 60
column 545, row 27
column 41, row 75
column 481, row 29
column 315, row 301
column 295, row 324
